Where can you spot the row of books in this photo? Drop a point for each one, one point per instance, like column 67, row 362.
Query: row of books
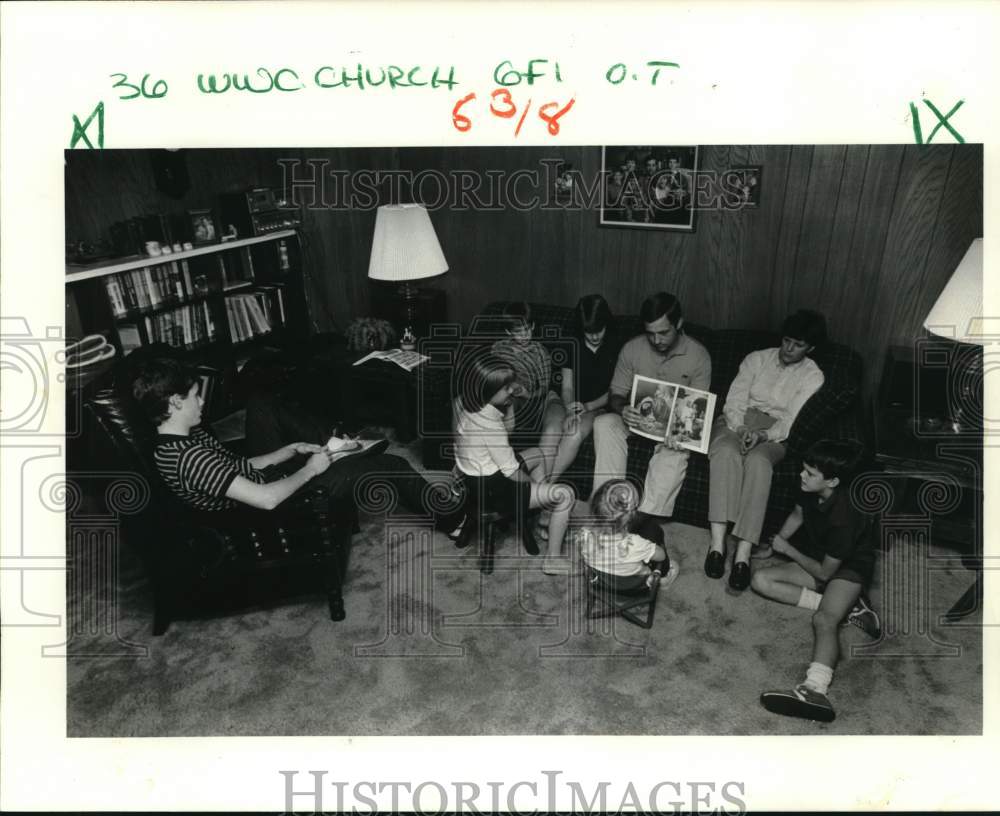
column 149, row 287
column 184, row 327
column 255, row 312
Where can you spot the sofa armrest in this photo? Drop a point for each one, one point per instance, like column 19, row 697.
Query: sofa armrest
column 830, row 413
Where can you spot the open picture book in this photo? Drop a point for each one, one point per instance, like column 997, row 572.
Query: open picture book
column 407, row 360
column 669, row 409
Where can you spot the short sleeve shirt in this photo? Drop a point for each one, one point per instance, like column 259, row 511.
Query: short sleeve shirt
column 199, row 470
column 596, row 368
column 620, row 554
column 838, row 529
column 531, row 362
column 687, row 363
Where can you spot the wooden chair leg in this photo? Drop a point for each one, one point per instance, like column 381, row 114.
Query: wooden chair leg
column 336, row 602
column 487, row 539
column 161, row 618
column 162, row 608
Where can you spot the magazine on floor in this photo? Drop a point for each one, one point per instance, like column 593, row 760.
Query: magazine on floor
column 407, row 360
column 668, row 409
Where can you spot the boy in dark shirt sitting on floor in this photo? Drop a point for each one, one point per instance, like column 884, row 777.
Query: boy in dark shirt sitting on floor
column 207, row 476
column 830, row 569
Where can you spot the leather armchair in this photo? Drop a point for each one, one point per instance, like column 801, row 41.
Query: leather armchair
column 190, row 555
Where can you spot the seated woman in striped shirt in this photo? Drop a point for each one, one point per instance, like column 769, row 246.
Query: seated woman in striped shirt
column 748, row 439
column 207, row 476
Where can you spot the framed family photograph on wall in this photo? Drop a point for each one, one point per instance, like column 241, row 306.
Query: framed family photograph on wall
column 649, row 187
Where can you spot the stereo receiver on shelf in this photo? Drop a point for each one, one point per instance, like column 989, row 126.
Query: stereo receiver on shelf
column 259, row 211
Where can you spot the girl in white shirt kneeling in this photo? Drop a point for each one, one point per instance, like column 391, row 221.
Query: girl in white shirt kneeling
column 507, row 482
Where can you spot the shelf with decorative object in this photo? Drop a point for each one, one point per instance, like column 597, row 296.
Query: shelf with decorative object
column 76, row 273
column 223, row 294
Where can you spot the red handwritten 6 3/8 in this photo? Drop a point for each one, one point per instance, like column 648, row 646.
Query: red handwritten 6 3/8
column 503, row 107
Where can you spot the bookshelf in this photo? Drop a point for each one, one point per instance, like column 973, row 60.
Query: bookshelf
column 220, row 297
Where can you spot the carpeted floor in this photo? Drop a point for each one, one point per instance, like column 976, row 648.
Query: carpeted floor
column 431, row 647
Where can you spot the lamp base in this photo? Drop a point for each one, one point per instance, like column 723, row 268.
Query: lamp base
column 409, row 297
column 406, row 305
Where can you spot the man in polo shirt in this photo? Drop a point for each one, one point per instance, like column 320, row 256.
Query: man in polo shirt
column 663, row 352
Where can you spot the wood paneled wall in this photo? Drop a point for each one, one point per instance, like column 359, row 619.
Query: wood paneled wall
column 867, row 234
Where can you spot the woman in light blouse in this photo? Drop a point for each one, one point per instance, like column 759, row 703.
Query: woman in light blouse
column 748, row 439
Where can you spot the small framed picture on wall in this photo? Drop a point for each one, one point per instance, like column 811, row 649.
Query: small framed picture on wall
column 745, row 184
column 649, row 186
column 203, row 227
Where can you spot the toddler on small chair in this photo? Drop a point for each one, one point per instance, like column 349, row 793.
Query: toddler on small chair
column 625, row 560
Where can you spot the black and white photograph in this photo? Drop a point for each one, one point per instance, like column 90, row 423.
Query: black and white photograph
column 691, row 419
column 322, row 485
column 746, row 183
column 670, row 411
column 654, row 401
column 818, row 394
column 649, row 186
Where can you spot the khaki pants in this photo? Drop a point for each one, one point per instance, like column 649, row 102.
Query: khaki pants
column 739, row 485
column 664, row 476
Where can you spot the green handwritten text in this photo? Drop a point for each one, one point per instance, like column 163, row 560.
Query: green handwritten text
column 284, row 79
column 395, row 77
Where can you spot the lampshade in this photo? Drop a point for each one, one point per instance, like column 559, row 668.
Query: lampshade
column 958, row 312
column 405, row 246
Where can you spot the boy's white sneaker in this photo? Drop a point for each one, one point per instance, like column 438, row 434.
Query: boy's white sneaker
column 801, row 701
column 865, row 618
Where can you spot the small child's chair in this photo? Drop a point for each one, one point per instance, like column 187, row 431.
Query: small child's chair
column 605, row 601
column 486, row 524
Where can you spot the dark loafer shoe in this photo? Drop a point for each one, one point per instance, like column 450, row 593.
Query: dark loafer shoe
column 739, row 577
column 715, row 564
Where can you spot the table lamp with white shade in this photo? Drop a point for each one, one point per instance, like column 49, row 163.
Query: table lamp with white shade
column 958, row 311
column 405, row 249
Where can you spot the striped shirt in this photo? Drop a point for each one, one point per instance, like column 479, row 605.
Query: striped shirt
column 199, row 470
column 531, row 362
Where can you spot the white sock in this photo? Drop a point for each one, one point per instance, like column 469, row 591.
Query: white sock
column 819, row 677
column 808, row 599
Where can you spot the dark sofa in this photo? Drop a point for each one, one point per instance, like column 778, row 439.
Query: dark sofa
column 833, row 412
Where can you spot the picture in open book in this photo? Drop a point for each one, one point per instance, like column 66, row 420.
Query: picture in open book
column 668, row 409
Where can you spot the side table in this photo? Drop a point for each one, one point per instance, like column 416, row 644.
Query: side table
column 922, row 453
column 381, row 393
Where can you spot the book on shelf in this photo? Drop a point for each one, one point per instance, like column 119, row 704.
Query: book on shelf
column 186, row 272
column 116, row 296
column 276, row 299
column 407, row 360
column 255, row 312
column 128, row 337
column 184, row 326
